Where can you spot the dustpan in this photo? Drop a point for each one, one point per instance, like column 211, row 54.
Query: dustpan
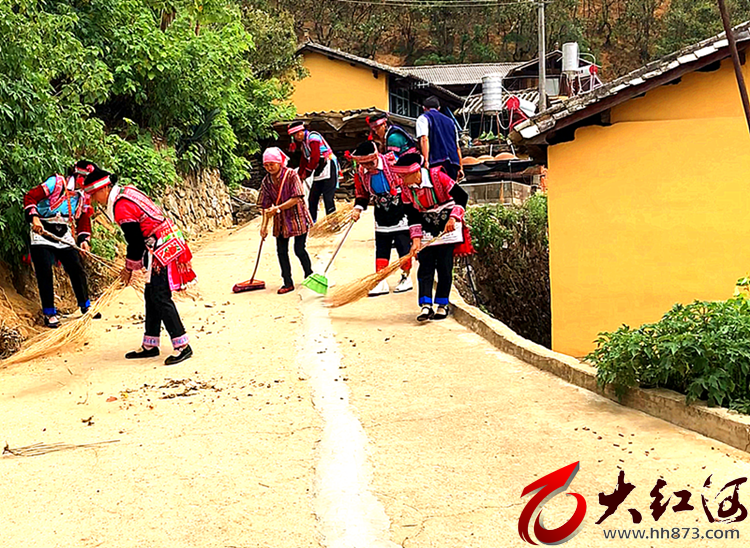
column 319, row 282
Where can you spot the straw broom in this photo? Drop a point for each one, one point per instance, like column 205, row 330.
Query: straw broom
column 333, row 223
column 358, row 289
column 69, row 333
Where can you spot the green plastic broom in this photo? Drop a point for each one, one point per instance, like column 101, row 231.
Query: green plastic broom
column 319, row 282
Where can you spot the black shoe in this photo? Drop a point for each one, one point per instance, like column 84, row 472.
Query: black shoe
column 427, row 314
column 52, row 321
column 442, row 312
column 184, row 354
column 142, row 353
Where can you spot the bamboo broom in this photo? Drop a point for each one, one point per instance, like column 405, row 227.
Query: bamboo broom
column 358, row 289
column 333, row 223
column 69, row 333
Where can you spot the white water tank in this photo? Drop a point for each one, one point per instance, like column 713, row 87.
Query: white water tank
column 570, row 57
column 492, row 93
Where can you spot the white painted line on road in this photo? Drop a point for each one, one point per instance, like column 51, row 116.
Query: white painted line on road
column 348, row 513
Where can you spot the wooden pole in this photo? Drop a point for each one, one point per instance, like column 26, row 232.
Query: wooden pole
column 542, row 59
column 735, row 60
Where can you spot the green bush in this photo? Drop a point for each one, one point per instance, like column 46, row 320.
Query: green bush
column 701, row 350
column 511, row 265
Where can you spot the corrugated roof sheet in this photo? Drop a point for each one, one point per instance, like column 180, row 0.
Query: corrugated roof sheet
column 454, row 75
column 549, row 119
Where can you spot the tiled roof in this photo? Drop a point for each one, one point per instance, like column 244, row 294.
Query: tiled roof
column 455, row 75
column 320, row 48
column 396, row 71
column 639, row 81
column 338, row 118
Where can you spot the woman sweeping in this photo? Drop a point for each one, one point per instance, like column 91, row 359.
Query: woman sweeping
column 282, row 198
column 434, row 207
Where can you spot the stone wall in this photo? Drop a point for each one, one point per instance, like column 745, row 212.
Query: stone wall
column 199, row 204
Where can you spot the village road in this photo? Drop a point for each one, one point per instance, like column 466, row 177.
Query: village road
column 296, row 426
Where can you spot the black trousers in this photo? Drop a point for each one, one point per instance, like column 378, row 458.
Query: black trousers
column 325, row 188
column 160, row 308
column 43, row 258
column 282, row 250
column 385, row 241
column 435, row 259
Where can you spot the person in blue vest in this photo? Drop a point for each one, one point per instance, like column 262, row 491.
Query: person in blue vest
column 438, row 140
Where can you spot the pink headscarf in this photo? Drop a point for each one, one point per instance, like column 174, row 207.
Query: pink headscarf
column 274, row 155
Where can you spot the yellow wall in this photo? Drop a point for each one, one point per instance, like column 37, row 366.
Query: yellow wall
column 337, row 85
column 699, row 95
column 646, row 214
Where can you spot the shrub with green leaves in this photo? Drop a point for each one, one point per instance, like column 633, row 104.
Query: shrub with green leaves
column 701, row 350
column 511, row 265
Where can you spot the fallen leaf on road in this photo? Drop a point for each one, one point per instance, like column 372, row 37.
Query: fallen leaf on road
column 111, row 399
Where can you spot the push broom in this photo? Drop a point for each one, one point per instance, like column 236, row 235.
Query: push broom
column 252, row 284
column 319, row 282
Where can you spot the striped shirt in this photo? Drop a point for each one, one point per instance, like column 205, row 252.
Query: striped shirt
column 291, row 222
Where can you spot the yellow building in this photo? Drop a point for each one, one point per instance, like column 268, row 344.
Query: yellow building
column 339, row 81
column 648, row 193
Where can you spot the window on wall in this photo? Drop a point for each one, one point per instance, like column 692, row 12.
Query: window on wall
column 402, row 104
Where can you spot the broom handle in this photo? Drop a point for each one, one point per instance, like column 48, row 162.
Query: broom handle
column 257, row 260
column 341, row 243
column 106, row 262
column 74, row 246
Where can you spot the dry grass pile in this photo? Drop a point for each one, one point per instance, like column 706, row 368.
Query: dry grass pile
column 10, row 340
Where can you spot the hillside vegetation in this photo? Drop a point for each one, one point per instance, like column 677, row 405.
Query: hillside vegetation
column 622, row 34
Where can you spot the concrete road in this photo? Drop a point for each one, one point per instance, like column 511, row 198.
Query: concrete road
column 297, row 426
